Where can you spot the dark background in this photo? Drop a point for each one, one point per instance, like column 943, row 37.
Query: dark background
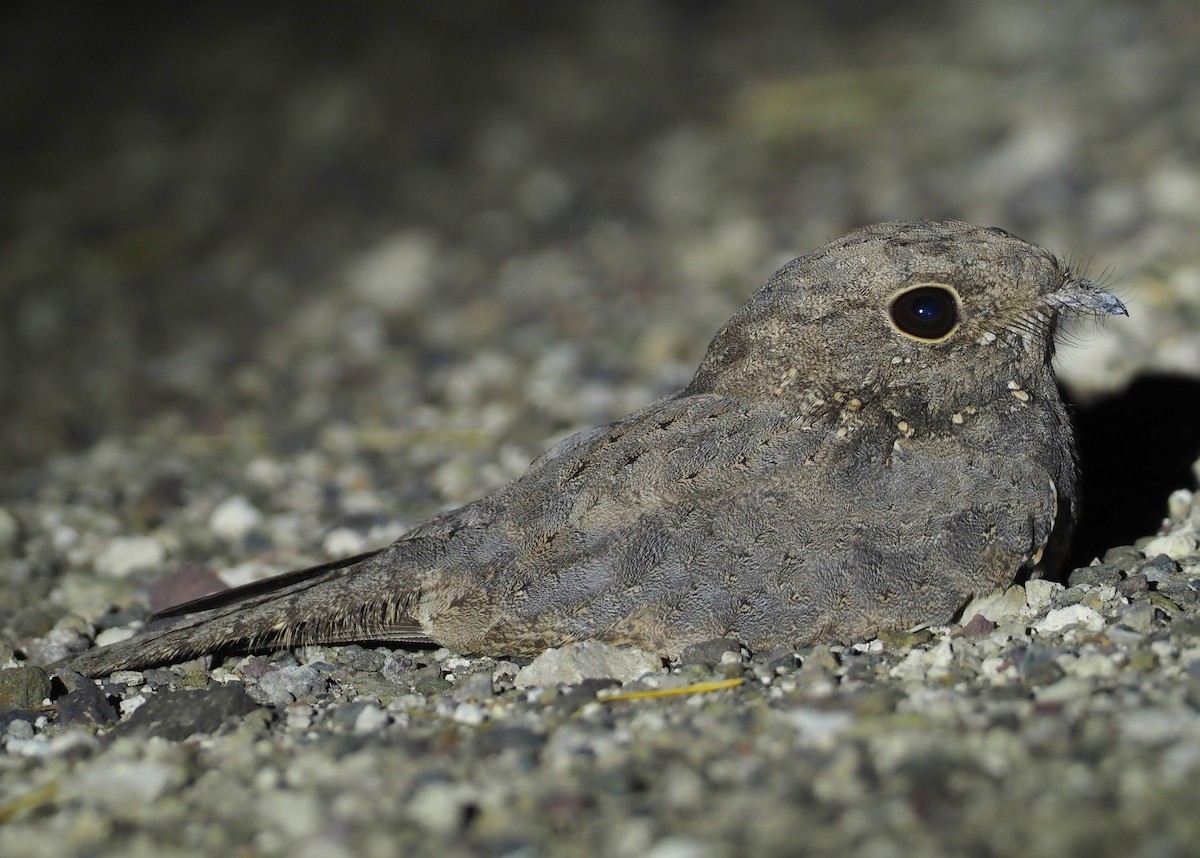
column 206, row 209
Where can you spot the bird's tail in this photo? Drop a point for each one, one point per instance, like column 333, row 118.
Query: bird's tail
column 355, row 599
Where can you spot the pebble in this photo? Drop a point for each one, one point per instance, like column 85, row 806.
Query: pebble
column 343, row 542
column 1137, row 616
column 441, row 807
column 1038, row 594
column 126, row 555
column 1058, row 619
column 370, row 719
column 126, row 782
column 679, row 846
column 471, row 714
column 234, row 518
column 1067, row 689
column 710, row 653
column 819, row 728
column 297, row 682
column 477, row 686
column 176, row 715
column 1177, row 543
column 23, row 687
column 576, row 662
column 1180, row 503
column 114, row 635
column 1100, row 573
column 397, row 273
column 998, row 605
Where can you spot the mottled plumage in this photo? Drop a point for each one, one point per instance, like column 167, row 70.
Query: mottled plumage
column 873, row 439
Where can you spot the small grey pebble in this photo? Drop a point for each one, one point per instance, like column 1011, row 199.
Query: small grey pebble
column 19, row 728
column 1104, row 573
column 57, row 645
column 584, row 691
column 343, row 717
column 358, row 658
column 709, row 652
column 429, row 681
column 300, row 682
column 1138, row 616
column 1133, row 585
column 1179, row 592
column 1069, row 596
column 1158, row 568
column 400, row 669
column 477, row 686
column 160, row 677
column 1122, row 556
column 1036, row 667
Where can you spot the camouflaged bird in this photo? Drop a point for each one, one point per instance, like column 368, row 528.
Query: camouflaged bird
column 872, row 440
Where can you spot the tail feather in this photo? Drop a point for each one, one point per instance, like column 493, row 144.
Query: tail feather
column 348, row 600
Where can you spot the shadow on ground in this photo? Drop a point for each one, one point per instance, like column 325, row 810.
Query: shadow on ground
column 1133, row 452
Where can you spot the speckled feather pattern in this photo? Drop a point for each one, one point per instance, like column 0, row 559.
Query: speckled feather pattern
column 824, row 476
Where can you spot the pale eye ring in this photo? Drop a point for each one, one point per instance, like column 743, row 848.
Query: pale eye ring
column 929, row 312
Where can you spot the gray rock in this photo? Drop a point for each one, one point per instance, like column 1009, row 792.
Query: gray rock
column 1158, row 568
column 23, row 687
column 175, row 715
column 587, row 660
column 1100, row 574
column 288, row 684
column 477, row 686
column 708, row 653
column 1137, row 616
column 1122, row 556
column 1133, row 585
column 126, row 555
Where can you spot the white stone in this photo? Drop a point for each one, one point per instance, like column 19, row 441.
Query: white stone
column 132, row 704
column 343, row 542
column 677, row 846
column 1157, row 726
column 371, row 719
column 122, row 782
column 470, row 714
column 233, row 518
column 1039, row 592
column 1072, row 615
column 576, row 662
column 130, row 678
column 1065, row 690
column 1177, row 543
column 996, row 606
column 397, row 273
column 112, row 636
column 818, row 727
column 1179, row 504
column 439, row 807
column 126, row 555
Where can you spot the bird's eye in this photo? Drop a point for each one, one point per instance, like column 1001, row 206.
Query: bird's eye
column 927, row 312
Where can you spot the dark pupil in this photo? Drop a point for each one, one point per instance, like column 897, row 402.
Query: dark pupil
column 926, row 308
column 927, row 312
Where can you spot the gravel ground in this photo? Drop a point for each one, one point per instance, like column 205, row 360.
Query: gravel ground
column 272, row 292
